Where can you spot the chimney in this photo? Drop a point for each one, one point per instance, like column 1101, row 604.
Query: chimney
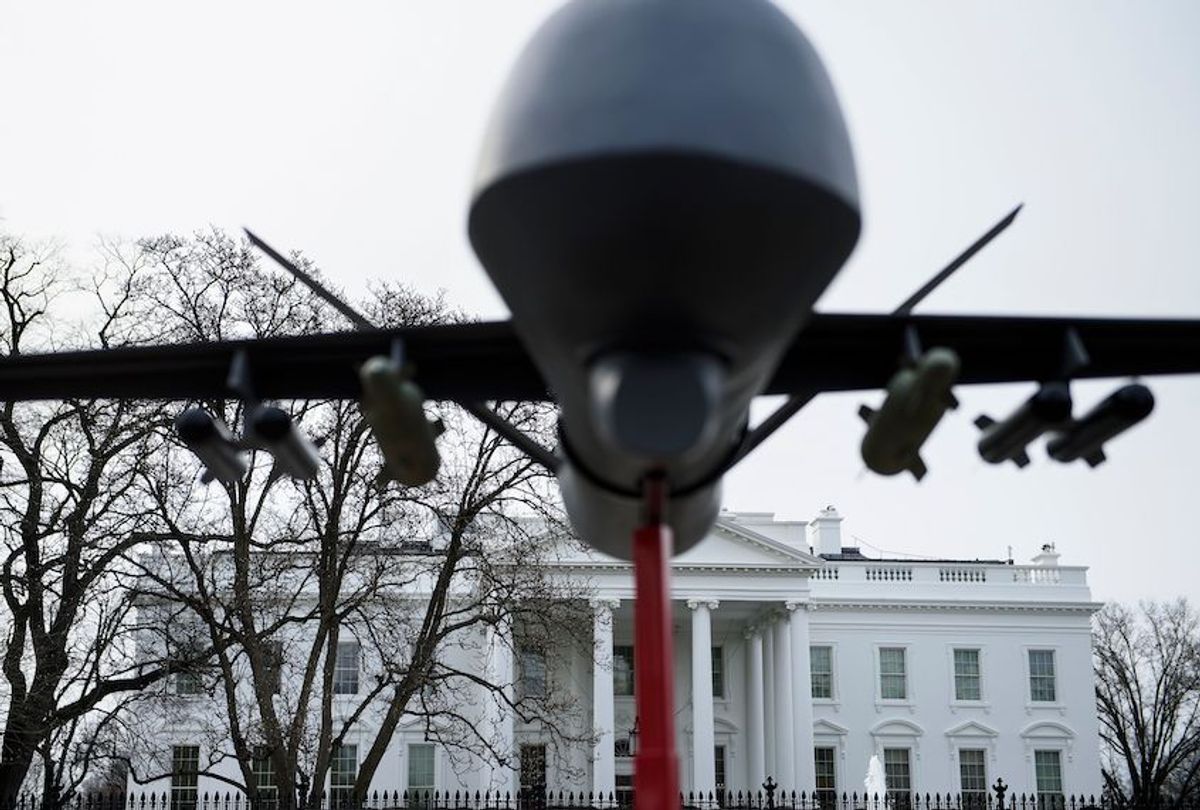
column 1047, row 557
column 825, row 532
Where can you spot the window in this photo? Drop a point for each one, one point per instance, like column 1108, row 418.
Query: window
column 967, row 679
column 343, row 770
column 718, row 672
column 185, row 775
column 264, row 777
column 823, row 760
column 1048, row 772
column 719, row 768
column 272, row 665
column 533, row 772
column 897, row 775
column 622, row 670
column 893, row 680
column 625, row 790
column 533, row 672
column 972, row 776
column 188, row 683
column 821, row 666
column 421, row 778
column 1041, row 676
column 345, row 669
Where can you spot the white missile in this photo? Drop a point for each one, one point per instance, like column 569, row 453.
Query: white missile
column 209, row 439
column 275, row 431
column 393, row 406
column 917, row 398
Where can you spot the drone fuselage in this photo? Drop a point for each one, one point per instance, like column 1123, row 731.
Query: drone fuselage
column 665, row 190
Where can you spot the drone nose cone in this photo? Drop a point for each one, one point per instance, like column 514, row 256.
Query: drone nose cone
column 733, row 80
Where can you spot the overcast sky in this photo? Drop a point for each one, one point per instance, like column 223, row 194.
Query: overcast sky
column 350, row 131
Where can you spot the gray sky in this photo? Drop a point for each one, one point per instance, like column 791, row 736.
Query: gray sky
column 350, row 131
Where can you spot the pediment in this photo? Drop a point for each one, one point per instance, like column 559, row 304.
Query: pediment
column 734, row 545
column 972, row 728
column 728, row 545
column 828, row 727
column 897, row 727
column 1048, row 730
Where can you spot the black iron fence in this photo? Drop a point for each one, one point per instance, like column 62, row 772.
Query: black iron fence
column 772, row 798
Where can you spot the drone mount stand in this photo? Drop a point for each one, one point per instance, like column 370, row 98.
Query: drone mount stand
column 656, row 764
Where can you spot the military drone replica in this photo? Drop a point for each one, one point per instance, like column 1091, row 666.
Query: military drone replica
column 665, row 190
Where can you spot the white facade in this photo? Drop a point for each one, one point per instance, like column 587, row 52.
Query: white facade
column 982, row 667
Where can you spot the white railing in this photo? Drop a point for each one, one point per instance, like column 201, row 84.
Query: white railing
column 889, row 573
column 962, row 573
column 1036, row 575
column 827, row 572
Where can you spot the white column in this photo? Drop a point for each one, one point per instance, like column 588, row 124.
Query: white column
column 768, row 637
column 785, row 744
column 704, row 768
column 499, row 668
column 802, row 707
column 756, row 765
column 604, row 763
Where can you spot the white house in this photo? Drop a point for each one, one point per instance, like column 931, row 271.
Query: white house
column 798, row 658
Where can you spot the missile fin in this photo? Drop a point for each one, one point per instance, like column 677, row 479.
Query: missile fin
column 1095, row 459
column 866, row 412
column 951, row 401
column 918, row 468
column 1021, row 459
column 983, row 421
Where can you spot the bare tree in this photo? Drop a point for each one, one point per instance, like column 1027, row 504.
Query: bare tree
column 296, row 574
column 68, row 518
column 1148, row 695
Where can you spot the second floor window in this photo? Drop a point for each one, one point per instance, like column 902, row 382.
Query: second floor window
column 188, row 683
column 622, row 670
column 1041, row 676
column 532, row 672
column 893, row 675
column 718, row 672
column 345, row 670
column 967, row 678
column 272, row 665
column 821, row 666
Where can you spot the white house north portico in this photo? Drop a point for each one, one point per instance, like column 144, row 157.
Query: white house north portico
column 799, row 659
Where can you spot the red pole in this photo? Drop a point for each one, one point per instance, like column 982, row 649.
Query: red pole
column 656, row 766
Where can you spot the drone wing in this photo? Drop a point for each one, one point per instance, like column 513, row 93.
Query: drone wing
column 855, row 352
column 462, row 362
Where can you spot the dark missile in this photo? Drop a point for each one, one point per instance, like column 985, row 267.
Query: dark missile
column 209, row 439
column 1085, row 438
column 274, row 430
column 1008, row 439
